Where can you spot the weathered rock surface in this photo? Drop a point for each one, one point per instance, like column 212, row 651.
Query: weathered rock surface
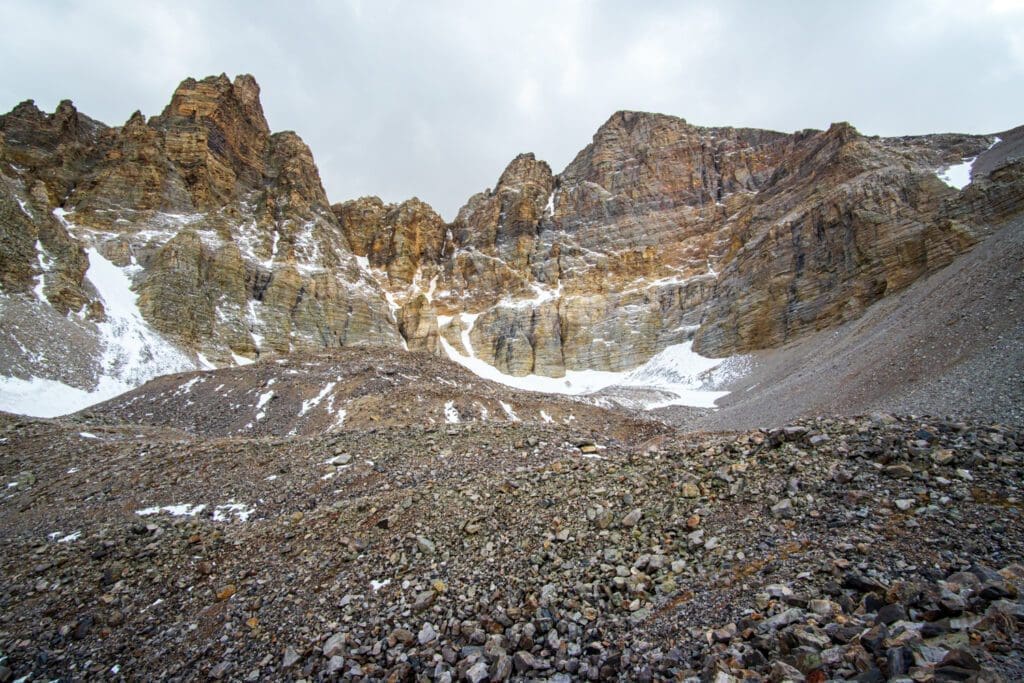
column 223, row 227
column 657, row 233
column 493, row 551
column 661, row 231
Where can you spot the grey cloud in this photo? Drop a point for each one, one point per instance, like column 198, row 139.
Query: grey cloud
column 433, row 99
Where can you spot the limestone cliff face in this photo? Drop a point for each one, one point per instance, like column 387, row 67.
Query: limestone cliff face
column 225, row 227
column 658, row 232
column 398, row 238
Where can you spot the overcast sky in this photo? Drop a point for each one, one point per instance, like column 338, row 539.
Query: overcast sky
column 433, row 99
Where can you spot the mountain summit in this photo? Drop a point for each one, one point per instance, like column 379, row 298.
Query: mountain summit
column 658, row 233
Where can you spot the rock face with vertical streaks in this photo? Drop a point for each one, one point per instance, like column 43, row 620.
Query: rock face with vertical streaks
column 659, row 232
column 223, row 227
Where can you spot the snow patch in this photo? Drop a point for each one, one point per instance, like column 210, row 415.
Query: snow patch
column 511, row 414
column 241, row 360
column 549, row 208
column 261, row 405
column 133, row 352
column 957, row 176
column 451, row 414
column 180, row 510
column 315, row 401
column 677, row 371
column 239, row 511
column 45, row 264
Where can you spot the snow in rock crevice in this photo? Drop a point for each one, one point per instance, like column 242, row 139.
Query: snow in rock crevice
column 131, row 352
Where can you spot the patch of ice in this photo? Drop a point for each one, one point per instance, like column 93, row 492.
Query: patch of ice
column 451, row 414
column 677, row 371
column 511, row 414
column 376, row 585
column 315, row 401
column 239, row 511
column 241, row 360
column 70, row 537
column 272, row 477
column 204, row 363
column 180, row 510
column 87, row 435
column 544, row 416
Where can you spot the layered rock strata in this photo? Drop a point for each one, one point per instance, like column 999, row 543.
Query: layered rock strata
column 223, row 226
column 658, row 232
column 661, row 231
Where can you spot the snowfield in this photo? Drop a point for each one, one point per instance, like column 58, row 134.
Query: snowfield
column 133, row 353
column 684, row 376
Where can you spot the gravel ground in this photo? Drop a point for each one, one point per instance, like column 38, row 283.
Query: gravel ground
column 834, row 548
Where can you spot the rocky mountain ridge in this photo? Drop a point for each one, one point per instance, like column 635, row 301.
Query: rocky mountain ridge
column 657, row 233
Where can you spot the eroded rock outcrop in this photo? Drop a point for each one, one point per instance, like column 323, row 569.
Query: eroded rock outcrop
column 223, row 226
column 661, row 231
column 658, row 232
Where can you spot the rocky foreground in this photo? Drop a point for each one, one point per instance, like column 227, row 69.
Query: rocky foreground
column 871, row 548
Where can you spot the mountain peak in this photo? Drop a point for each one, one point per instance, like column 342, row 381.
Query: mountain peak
column 217, row 98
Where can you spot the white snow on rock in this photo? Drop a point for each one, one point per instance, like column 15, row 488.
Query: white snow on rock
column 511, row 414
column 451, row 414
column 261, row 404
column 45, row 263
column 180, row 510
column 239, row 511
column 315, row 401
column 241, row 360
column 957, row 176
column 49, row 398
column 132, row 352
column 678, row 371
